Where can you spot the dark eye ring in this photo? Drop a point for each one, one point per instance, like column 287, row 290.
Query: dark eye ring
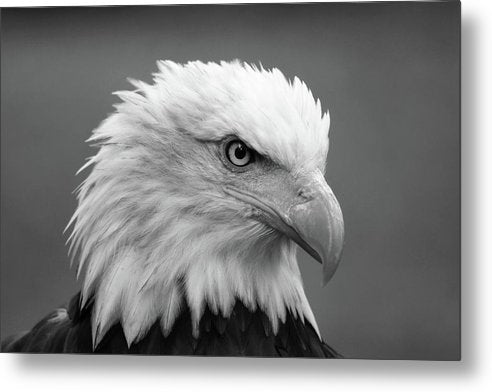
column 238, row 153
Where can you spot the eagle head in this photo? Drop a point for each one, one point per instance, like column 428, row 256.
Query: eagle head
column 203, row 184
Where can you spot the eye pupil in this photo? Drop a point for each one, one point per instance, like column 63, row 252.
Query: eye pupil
column 240, row 152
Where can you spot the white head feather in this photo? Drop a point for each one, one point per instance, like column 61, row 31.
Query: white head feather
column 153, row 228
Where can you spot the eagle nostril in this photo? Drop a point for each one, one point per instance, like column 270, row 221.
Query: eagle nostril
column 305, row 195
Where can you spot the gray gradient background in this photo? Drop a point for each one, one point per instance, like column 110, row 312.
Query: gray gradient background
column 389, row 73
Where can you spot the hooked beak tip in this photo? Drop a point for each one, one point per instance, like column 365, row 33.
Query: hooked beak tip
column 319, row 224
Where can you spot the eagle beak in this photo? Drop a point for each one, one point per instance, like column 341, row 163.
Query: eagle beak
column 309, row 214
column 316, row 224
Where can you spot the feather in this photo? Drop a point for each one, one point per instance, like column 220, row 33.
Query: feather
column 220, row 324
column 171, row 309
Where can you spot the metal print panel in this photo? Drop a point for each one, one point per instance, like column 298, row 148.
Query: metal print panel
column 266, row 180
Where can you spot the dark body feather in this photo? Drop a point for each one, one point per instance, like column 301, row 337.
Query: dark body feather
column 244, row 333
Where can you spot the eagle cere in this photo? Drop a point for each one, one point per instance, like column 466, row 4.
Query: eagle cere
column 187, row 226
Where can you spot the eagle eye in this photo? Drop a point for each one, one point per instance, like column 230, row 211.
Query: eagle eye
column 238, row 153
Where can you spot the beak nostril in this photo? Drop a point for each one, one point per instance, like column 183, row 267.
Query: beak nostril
column 305, row 194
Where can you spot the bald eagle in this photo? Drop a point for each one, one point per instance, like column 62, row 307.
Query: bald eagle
column 187, row 226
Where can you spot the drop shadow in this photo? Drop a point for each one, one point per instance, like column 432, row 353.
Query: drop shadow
column 469, row 193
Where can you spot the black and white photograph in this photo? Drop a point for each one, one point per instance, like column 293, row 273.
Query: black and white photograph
column 232, row 180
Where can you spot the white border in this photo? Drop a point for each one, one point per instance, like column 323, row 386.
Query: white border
column 473, row 373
